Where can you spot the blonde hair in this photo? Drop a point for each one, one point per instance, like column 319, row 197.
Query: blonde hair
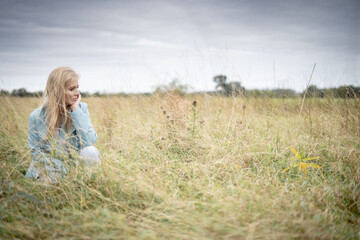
column 54, row 99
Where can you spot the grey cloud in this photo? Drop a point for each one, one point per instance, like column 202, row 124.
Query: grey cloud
column 99, row 33
column 322, row 24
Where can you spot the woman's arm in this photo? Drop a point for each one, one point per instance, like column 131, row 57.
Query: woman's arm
column 34, row 137
column 82, row 123
column 37, row 155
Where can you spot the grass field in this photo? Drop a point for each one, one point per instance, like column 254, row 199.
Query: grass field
column 194, row 167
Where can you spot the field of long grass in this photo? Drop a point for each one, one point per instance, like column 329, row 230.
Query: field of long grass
column 193, row 167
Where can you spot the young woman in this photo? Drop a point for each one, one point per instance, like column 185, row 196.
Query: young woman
column 60, row 131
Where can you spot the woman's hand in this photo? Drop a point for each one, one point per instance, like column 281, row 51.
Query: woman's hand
column 76, row 103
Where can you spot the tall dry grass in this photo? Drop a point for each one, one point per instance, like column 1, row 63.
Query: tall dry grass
column 194, row 167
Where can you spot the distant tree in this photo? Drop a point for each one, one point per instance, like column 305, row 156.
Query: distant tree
column 235, row 89
column 85, row 94
column 348, row 91
column 38, row 94
column 269, row 93
column 221, row 81
column 174, row 85
column 229, row 89
column 313, row 91
column 282, row 93
column 97, row 94
column 4, row 93
column 254, row 93
column 328, row 92
column 21, row 92
column 340, row 92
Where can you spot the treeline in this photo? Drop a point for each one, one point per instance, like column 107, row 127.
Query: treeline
column 235, row 88
column 22, row 92
column 312, row 91
column 340, row 92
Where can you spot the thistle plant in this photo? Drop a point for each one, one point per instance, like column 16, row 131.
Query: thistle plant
column 193, row 118
column 301, row 162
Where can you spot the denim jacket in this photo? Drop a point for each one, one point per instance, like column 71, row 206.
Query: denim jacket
column 52, row 156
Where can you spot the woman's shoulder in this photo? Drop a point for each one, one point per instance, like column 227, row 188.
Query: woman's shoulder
column 37, row 113
column 83, row 106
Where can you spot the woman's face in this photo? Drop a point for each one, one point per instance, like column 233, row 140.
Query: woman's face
column 71, row 91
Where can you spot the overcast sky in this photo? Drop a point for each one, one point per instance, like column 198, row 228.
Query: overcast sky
column 134, row 46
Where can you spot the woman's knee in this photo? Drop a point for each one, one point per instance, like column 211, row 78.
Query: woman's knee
column 91, row 155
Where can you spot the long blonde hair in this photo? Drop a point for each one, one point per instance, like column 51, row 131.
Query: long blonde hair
column 54, row 99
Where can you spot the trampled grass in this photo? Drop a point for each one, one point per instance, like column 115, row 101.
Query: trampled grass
column 194, row 167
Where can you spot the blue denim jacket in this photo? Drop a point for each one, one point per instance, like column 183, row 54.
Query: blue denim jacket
column 51, row 157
